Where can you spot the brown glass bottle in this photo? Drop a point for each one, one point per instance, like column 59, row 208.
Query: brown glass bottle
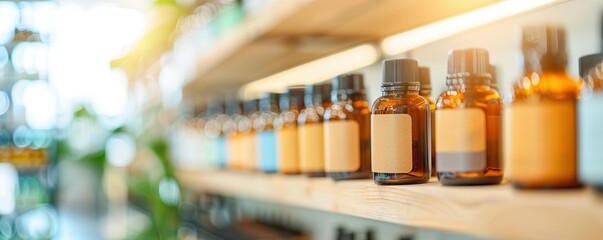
column 234, row 150
column 400, row 124
column 249, row 143
column 311, row 132
column 287, row 145
column 347, row 130
column 468, row 124
column 540, row 141
column 425, row 80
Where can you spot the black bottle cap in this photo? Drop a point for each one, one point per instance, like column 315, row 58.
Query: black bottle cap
column 326, row 87
column 251, row 106
column 313, row 94
column 399, row 71
column 425, row 78
column 548, row 45
column 215, row 107
column 494, row 80
column 349, row 83
column 294, row 97
column 269, row 102
column 234, row 106
column 468, row 63
column 589, row 62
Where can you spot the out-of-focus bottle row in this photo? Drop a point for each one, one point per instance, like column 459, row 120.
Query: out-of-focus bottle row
column 463, row 137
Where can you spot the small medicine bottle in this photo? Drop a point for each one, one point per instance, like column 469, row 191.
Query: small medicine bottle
column 540, row 122
column 590, row 117
column 266, row 138
column 468, row 126
column 425, row 91
column 347, row 130
column 287, row 146
column 311, row 132
column 400, row 127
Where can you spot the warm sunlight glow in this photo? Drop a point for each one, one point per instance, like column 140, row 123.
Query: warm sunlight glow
column 417, row 37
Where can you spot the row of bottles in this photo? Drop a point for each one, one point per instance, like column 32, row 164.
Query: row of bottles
column 463, row 137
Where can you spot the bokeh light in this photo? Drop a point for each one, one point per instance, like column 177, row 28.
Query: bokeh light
column 121, row 149
column 4, row 103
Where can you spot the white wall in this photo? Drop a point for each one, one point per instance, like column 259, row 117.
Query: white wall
column 581, row 18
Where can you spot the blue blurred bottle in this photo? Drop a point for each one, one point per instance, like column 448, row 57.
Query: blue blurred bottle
column 266, row 139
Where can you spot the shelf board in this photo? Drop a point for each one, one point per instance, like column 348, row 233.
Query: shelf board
column 484, row 211
column 289, row 33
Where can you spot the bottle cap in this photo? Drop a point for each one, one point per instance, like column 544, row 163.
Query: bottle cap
column 425, row 78
column 468, row 63
column 251, row 106
column 233, row 106
column 589, row 62
column 215, row 107
column 494, row 80
column 269, row 102
column 326, row 87
column 313, row 93
column 548, row 43
column 349, row 83
column 294, row 97
column 399, row 71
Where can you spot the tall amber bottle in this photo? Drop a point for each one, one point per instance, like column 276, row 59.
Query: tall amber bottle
column 234, row 150
column 347, row 130
column 540, row 123
column 425, row 80
column 291, row 103
column 468, row 124
column 311, row 132
column 249, row 143
column 400, row 127
column 590, row 117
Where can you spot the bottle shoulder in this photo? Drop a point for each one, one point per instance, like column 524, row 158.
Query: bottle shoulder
column 399, row 104
column 346, row 110
column 534, row 87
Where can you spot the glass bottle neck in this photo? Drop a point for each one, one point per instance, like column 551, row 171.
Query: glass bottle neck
column 342, row 96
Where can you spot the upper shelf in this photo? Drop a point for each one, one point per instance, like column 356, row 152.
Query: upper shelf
column 290, row 33
column 483, row 211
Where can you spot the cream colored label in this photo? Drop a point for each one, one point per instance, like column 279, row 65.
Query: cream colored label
column 234, row 151
column 249, row 152
column 540, row 141
column 391, row 143
column 342, row 146
column 311, row 148
column 460, row 140
column 287, row 150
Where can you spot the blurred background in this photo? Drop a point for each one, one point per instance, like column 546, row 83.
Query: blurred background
column 101, row 101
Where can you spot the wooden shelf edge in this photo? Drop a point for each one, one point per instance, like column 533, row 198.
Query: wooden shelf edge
column 483, row 211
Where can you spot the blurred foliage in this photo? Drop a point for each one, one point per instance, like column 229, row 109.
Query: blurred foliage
column 143, row 189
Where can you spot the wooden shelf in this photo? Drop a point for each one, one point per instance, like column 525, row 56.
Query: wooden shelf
column 290, row 33
column 483, row 211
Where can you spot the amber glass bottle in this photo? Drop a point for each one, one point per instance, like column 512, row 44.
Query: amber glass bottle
column 540, row 123
column 400, row 123
column 494, row 81
column 311, row 133
column 468, row 124
column 234, row 150
column 291, row 103
column 590, row 117
column 425, row 80
column 347, row 130
column 249, row 144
